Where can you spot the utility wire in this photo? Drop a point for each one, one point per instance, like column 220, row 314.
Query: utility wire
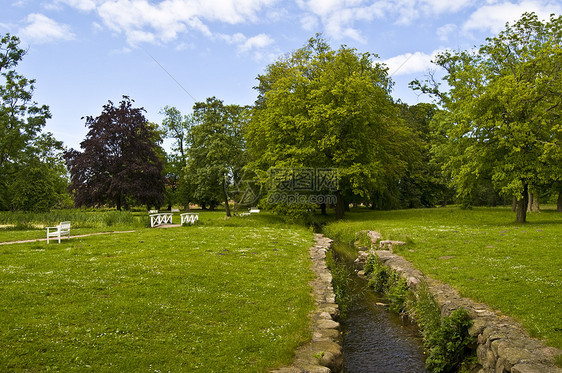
column 170, row 75
column 403, row 63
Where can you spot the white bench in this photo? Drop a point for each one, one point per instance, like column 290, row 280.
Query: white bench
column 189, row 218
column 63, row 229
column 253, row 210
column 153, row 211
column 175, row 210
column 159, row 219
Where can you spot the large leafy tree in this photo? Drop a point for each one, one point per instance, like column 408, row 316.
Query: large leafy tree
column 119, row 163
column 504, row 110
column 322, row 108
column 216, row 150
column 177, row 127
column 423, row 185
column 32, row 174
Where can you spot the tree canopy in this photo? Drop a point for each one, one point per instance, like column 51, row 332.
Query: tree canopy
column 32, row 173
column 120, row 162
column 322, row 108
column 503, row 108
column 216, row 150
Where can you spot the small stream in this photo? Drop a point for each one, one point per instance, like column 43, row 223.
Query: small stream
column 374, row 339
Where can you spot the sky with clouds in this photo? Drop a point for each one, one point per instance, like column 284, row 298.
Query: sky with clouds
column 83, row 53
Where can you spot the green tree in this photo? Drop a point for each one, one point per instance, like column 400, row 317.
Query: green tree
column 423, row 185
column 177, row 127
column 503, row 110
column 41, row 181
column 216, row 150
column 121, row 159
column 32, row 175
column 321, row 108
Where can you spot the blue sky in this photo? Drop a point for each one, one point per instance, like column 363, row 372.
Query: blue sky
column 169, row 52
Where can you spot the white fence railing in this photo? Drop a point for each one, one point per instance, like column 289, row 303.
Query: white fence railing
column 189, row 218
column 159, row 219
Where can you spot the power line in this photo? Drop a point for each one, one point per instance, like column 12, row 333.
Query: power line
column 403, row 63
column 170, row 75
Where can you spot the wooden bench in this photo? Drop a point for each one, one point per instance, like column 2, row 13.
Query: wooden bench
column 159, row 219
column 189, row 218
column 63, row 229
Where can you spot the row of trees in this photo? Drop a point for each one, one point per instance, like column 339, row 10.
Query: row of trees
column 493, row 135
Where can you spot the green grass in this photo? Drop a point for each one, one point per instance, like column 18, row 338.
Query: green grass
column 206, row 297
column 514, row 268
column 21, row 226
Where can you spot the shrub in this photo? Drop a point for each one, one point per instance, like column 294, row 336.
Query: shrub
column 397, row 292
column 446, row 339
column 341, row 283
column 450, row 344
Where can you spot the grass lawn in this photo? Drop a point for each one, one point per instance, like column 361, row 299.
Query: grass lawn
column 514, row 268
column 207, row 297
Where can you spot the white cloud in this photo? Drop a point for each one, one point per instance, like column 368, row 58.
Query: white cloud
column 41, row 29
column 436, row 7
column 256, row 42
column 492, row 18
column 410, row 63
column 162, row 21
column 339, row 16
column 244, row 44
column 444, row 32
column 83, row 5
column 309, row 22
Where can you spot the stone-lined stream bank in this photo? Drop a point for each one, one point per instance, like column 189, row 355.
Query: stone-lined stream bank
column 502, row 345
column 323, row 354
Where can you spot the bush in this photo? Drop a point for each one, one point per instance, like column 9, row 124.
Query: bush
column 397, row 293
column 341, row 283
column 446, row 339
column 449, row 345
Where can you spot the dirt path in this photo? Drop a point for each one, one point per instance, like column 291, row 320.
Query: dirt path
column 77, row 236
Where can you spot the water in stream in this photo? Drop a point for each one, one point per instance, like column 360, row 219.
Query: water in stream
column 376, row 340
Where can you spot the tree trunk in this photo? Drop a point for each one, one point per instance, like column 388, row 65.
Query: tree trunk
column 559, row 203
column 340, row 208
column 323, row 208
column 514, row 205
column 535, row 205
column 118, row 203
column 521, row 210
column 225, row 195
column 203, row 206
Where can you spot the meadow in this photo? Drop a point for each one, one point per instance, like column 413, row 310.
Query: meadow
column 514, row 268
column 222, row 295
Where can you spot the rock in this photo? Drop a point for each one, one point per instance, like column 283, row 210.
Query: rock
column 534, row 368
column 514, row 356
column 388, row 244
column 327, row 324
column 477, row 327
column 374, row 236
